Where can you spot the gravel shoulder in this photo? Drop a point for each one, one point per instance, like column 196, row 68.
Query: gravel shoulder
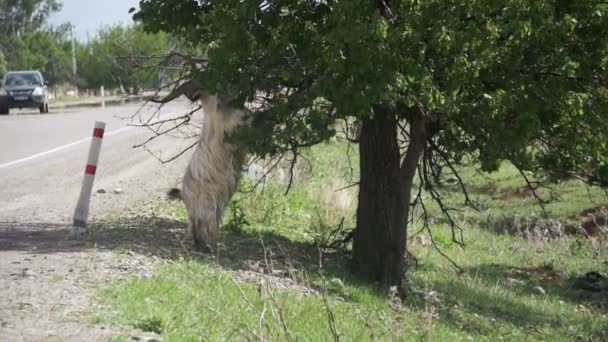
column 46, row 280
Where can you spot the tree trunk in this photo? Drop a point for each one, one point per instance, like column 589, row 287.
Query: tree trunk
column 384, row 198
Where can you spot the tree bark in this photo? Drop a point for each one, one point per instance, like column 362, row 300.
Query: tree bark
column 384, row 198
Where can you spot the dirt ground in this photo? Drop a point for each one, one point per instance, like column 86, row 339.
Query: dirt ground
column 48, row 281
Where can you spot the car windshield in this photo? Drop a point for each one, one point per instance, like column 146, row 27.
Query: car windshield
column 16, row 80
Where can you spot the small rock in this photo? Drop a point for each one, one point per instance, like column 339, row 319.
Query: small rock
column 144, row 339
column 514, row 282
column 540, row 290
column 118, row 191
column 423, row 240
column 255, row 172
column 432, row 297
column 280, row 273
column 101, row 191
column 337, row 282
column 452, row 180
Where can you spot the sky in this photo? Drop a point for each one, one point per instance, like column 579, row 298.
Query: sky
column 89, row 15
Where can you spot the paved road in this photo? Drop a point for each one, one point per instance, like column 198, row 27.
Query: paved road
column 42, row 159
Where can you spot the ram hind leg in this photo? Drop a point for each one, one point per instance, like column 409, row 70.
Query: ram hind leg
column 204, row 228
column 197, row 227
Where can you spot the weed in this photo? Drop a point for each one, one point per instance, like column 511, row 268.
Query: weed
column 271, row 282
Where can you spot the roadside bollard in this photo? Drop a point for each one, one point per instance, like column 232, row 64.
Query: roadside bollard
column 82, row 207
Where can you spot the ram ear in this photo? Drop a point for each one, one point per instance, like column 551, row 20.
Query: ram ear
column 188, row 89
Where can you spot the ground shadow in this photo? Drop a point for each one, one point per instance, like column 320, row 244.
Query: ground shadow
column 238, row 249
column 270, row 254
column 37, row 238
column 460, row 304
column 463, row 307
column 168, row 238
column 575, row 288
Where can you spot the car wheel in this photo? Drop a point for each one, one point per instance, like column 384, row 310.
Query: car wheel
column 4, row 111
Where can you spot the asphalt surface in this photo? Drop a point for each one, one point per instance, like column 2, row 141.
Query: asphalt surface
column 44, row 294
column 42, row 160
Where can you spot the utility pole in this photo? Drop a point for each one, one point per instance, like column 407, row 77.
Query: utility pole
column 74, row 66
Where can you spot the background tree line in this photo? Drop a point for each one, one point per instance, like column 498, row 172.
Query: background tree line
column 27, row 41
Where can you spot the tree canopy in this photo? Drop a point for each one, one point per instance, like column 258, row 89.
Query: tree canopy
column 27, row 41
column 3, row 64
column 47, row 51
column 114, row 57
column 432, row 81
column 28, row 44
column 19, row 16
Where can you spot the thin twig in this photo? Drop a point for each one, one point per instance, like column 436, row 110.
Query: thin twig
column 533, row 186
column 456, row 174
column 426, row 226
column 292, row 166
column 331, row 319
column 250, row 305
column 176, row 156
column 444, row 208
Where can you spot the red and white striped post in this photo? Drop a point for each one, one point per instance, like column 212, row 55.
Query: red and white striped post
column 82, row 208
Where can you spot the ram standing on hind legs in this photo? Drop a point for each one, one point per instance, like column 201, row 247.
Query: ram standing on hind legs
column 213, row 173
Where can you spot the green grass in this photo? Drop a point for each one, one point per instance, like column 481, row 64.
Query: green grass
column 189, row 301
column 496, row 297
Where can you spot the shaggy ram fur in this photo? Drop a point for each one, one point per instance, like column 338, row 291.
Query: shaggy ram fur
column 213, row 173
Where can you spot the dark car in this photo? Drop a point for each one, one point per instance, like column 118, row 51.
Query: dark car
column 24, row 89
